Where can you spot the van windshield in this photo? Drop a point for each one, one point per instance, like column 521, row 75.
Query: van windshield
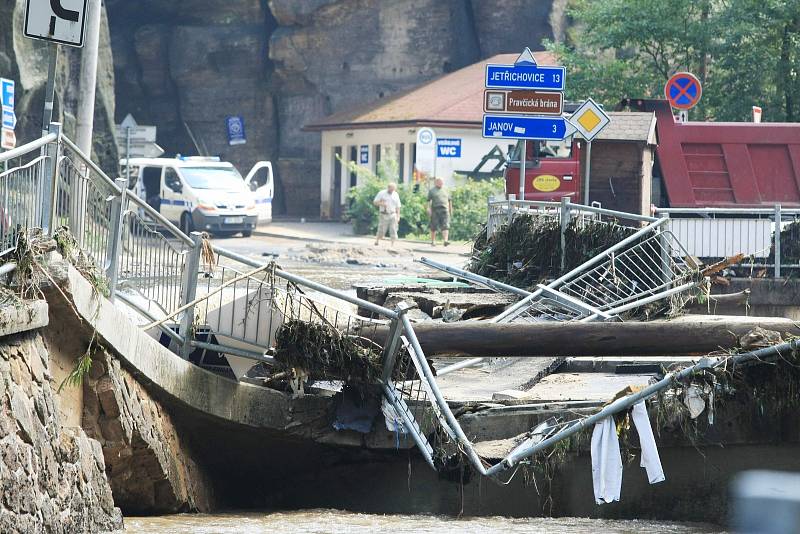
column 217, row 178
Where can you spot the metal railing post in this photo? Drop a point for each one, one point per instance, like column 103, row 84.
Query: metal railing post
column 666, row 274
column 189, row 291
column 115, row 237
column 777, row 217
column 489, row 219
column 393, row 341
column 49, row 180
column 564, row 217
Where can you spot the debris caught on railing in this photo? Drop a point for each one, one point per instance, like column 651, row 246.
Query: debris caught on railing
column 527, row 250
column 324, row 353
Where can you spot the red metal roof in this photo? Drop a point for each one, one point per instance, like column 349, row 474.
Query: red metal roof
column 452, row 99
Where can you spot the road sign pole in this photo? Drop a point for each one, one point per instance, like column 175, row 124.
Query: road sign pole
column 128, row 154
column 588, row 173
column 49, row 94
column 522, row 161
column 88, row 78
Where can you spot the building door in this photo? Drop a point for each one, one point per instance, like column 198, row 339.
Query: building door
column 336, row 184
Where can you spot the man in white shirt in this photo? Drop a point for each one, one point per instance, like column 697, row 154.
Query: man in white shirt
column 388, row 203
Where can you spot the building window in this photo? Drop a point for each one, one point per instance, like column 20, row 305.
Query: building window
column 377, row 155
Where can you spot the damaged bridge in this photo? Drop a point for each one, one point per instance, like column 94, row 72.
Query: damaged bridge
column 278, row 392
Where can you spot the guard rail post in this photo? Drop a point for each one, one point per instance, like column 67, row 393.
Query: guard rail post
column 564, row 215
column 777, row 217
column 666, row 275
column 49, row 179
column 115, row 236
column 509, row 212
column 393, row 342
column 189, row 292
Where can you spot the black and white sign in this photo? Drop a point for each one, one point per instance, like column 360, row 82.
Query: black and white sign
column 363, row 154
column 59, row 21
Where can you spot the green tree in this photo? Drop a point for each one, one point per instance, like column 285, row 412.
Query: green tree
column 745, row 53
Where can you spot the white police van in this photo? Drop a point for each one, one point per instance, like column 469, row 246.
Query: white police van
column 204, row 193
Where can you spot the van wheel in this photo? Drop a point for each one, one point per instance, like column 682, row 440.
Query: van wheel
column 247, row 233
column 187, row 225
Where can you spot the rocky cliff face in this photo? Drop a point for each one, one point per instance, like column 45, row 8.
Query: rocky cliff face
column 25, row 61
column 52, row 475
column 281, row 64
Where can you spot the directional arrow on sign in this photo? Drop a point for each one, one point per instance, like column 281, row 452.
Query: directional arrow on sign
column 526, row 127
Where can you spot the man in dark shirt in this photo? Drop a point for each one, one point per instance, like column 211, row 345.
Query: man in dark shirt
column 439, row 208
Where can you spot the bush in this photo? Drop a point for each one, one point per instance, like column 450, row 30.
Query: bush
column 469, row 203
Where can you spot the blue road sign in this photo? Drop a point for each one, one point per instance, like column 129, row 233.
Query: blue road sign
column 525, row 76
column 448, row 147
column 7, row 92
column 236, row 134
column 526, row 127
column 9, row 118
column 363, row 154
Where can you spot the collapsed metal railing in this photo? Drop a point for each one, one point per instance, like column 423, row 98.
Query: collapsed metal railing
column 146, row 256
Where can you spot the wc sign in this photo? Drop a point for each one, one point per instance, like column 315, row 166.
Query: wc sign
column 448, row 147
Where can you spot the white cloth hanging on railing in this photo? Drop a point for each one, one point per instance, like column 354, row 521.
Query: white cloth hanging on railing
column 606, row 462
column 650, row 458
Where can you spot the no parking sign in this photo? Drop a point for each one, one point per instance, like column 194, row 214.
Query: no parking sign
column 683, row 90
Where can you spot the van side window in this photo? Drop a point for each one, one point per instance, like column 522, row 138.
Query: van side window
column 171, row 179
column 261, row 177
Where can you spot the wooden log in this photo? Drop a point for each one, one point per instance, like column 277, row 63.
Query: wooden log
column 683, row 337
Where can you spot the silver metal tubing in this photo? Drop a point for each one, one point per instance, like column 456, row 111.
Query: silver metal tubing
column 108, row 181
column 160, row 219
column 410, row 424
column 459, row 365
column 310, row 284
column 726, row 211
column 452, row 422
column 150, row 317
column 472, row 277
column 580, row 207
column 250, row 355
column 626, row 402
column 26, row 148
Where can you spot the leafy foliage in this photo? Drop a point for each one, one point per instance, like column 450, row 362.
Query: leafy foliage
column 744, row 52
column 469, row 203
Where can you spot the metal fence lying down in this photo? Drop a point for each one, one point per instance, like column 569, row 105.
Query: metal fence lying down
column 209, row 299
column 647, row 266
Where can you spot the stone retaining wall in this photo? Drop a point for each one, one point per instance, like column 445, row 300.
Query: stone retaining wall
column 52, row 476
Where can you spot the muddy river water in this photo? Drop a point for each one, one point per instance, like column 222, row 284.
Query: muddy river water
column 334, row 521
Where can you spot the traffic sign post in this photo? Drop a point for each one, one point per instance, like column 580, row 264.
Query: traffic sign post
column 532, row 91
column 589, row 120
column 683, row 90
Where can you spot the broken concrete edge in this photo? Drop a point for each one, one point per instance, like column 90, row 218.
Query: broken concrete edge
column 23, row 316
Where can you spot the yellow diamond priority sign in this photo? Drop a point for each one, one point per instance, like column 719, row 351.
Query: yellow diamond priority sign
column 589, row 119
